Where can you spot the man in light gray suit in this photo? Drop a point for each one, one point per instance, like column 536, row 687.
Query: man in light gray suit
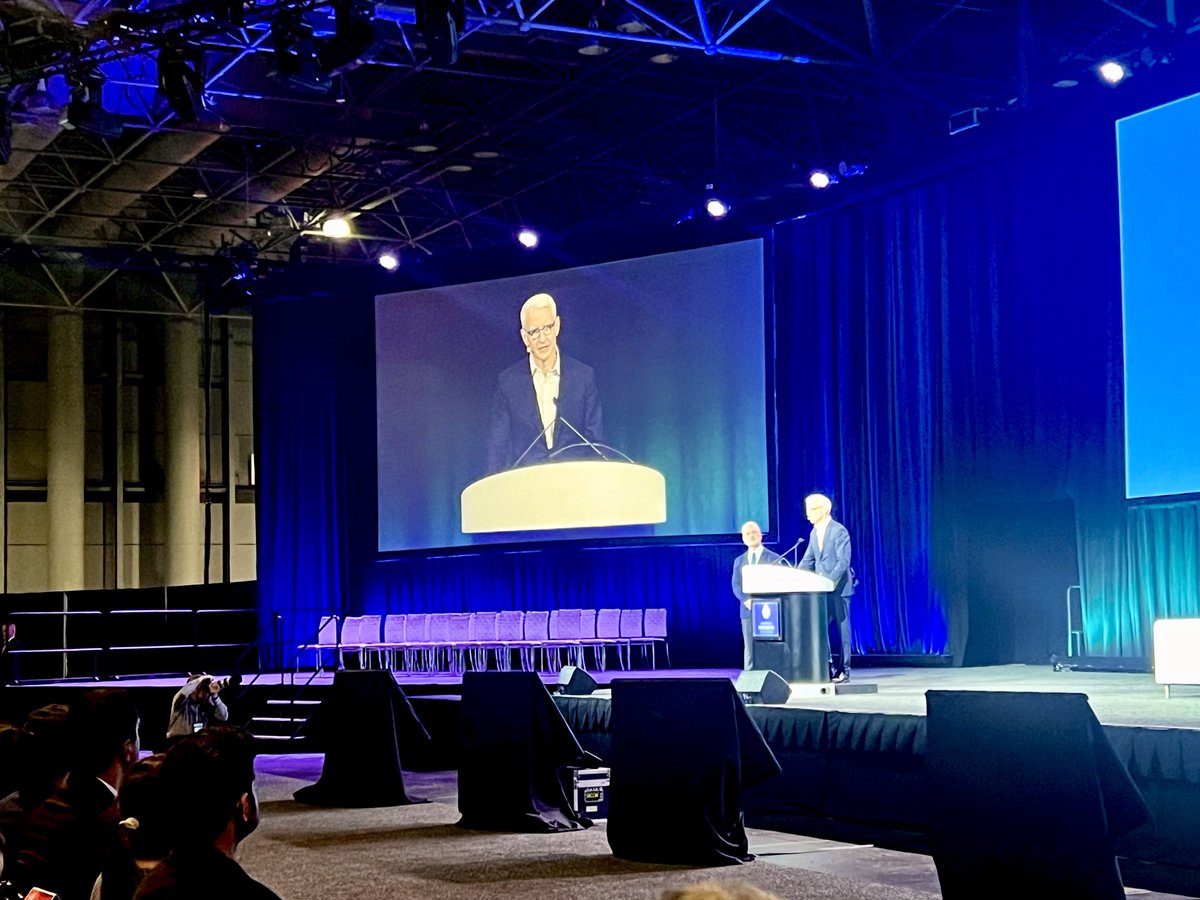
column 828, row 554
column 755, row 554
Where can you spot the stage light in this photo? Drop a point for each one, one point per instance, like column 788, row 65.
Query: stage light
column 628, row 23
column 1112, row 71
column 335, row 227
column 591, row 45
column 357, row 37
column 389, row 260
column 528, row 238
column 85, row 111
column 820, row 179
column 716, row 208
column 295, row 51
column 440, row 23
column 663, row 59
column 850, row 170
column 181, row 78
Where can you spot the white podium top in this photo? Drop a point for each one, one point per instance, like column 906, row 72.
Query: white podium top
column 572, row 494
column 773, row 579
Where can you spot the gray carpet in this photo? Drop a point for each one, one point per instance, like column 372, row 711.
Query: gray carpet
column 308, row 853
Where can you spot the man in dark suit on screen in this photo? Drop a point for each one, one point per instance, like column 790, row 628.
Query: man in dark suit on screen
column 828, row 554
column 756, row 554
column 539, row 399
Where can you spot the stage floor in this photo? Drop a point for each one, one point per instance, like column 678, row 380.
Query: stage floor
column 1118, row 698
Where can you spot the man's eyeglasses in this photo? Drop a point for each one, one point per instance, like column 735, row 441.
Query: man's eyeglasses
column 535, row 333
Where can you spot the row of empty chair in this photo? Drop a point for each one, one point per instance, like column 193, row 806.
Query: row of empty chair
column 452, row 642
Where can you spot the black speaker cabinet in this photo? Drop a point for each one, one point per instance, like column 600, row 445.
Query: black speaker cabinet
column 573, row 680
column 762, row 686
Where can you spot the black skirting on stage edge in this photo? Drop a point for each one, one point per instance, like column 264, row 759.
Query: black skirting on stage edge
column 514, row 744
column 1024, row 789
column 362, row 725
column 682, row 751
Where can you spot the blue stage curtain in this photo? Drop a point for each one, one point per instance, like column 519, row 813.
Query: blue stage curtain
column 314, row 408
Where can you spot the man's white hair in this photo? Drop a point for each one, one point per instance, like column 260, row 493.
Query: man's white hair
column 747, row 524
column 820, row 499
column 538, row 301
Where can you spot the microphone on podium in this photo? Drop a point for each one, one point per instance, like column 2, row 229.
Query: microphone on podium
column 795, row 546
column 578, row 434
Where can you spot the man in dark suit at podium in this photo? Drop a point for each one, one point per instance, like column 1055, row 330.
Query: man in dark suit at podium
column 756, row 554
column 536, row 398
column 828, row 554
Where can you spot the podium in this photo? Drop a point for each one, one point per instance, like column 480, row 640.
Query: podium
column 799, row 650
column 584, row 493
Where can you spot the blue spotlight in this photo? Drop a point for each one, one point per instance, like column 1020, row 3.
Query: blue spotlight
column 1112, row 71
column 716, row 208
column 528, row 238
column 820, row 179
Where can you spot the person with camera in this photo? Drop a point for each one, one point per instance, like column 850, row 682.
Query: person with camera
column 195, row 705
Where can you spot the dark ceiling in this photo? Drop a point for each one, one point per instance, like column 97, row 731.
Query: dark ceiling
column 521, row 129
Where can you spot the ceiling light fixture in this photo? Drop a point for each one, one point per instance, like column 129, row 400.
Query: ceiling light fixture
column 528, row 238
column 1112, row 71
column 821, row 179
column 335, row 227
column 591, row 45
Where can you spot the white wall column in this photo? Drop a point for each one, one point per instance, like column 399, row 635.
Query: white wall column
column 184, row 553
column 64, row 451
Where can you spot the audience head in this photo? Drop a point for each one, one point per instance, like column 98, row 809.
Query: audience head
column 142, row 836
column 713, row 890
column 44, row 749
column 143, row 808
column 209, row 777
column 104, row 728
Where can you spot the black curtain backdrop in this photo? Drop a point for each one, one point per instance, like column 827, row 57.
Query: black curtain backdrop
column 951, row 347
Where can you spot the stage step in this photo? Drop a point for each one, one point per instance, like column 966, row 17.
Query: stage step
column 279, row 724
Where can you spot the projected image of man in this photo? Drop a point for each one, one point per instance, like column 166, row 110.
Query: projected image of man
column 542, row 401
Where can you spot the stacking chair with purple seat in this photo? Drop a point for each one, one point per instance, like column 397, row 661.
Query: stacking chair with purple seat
column 482, row 635
column 632, row 634
column 393, row 638
column 537, row 635
column 564, row 639
column 416, row 642
column 458, row 634
column 439, row 641
column 327, row 639
column 588, row 639
column 608, row 634
column 654, row 629
column 510, row 636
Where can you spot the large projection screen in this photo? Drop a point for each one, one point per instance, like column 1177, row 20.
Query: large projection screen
column 678, row 346
column 1160, row 272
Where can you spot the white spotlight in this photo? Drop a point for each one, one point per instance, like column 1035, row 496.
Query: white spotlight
column 335, row 227
column 1112, row 71
column 389, row 260
column 820, row 179
column 716, row 208
column 528, row 238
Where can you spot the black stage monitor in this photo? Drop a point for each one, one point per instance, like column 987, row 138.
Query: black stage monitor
column 762, row 686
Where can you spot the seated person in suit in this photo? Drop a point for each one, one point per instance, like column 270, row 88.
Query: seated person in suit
column 69, row 834
column 828, row 554
column 540, row 399
column 755, row 554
